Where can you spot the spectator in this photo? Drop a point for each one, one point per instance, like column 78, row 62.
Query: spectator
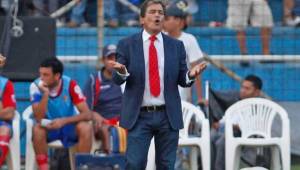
column 259, row 14
column 250, row 87
column 292, row 13
column 4, row 6
column 45, row 7
column 26, row 8
column 7, row 112
column 77, row 15
column 287, row 10
column 174, row 24
column 296, row 13
column 111, row 13
column 115, row 12
column 2, row 11
column 104, row 97
column 54, row 97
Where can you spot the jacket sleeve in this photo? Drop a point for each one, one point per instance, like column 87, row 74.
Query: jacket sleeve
column 183, row 70
column 122, row 58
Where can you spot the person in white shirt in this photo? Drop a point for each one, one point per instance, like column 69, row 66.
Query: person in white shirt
column 174, row 24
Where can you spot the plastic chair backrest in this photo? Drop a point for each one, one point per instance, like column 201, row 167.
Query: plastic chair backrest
column 14, row 156
column 189, row 111
column 16, row 117
column 255, row 116
column 27, row 113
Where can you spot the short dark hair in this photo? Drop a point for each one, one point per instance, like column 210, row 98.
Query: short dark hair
column 256, row 81
column 54, row 64
column 146, row 4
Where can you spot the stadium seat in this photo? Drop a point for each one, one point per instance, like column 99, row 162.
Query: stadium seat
column 190, row 112
column 30, row 154
column 13, row 158
column 255, row 117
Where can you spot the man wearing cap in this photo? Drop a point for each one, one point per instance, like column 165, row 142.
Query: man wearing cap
column 104, row 97
column 174, row 24
column 153, row 65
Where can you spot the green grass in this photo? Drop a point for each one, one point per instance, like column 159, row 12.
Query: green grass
column 296, row 167
column 295, row 162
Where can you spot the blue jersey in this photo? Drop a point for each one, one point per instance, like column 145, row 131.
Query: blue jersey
column 3, row 82
column 61, row 105
column 108, row 101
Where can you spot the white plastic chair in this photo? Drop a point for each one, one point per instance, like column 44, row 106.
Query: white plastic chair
column 255, row 117
column 30, row 163
column 255, row 168
column 13, row 157
column 203, row 142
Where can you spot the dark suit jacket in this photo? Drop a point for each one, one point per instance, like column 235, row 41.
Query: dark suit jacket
column 130, row 53
column 219, row 102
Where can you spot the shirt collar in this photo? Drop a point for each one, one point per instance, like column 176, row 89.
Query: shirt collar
column 146, row 36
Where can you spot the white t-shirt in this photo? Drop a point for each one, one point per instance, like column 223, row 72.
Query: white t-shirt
column 194, row 53
column 191, row 46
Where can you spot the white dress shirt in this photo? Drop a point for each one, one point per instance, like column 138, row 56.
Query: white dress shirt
column 148, row 99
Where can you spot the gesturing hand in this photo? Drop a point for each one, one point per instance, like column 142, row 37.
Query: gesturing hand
column 197, row 69
column 117, row 66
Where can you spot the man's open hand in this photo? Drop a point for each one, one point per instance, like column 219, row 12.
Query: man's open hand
column 197, row 69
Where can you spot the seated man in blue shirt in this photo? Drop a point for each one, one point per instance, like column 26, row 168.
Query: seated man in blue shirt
column 54, row 97
column 104, row 98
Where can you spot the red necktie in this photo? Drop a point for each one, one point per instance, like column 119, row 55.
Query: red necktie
column 154, row 79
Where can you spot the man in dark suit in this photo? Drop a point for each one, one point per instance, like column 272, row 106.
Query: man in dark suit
column 153, row 65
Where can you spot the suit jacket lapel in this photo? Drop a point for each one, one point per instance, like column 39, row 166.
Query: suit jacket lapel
column 167, row 56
